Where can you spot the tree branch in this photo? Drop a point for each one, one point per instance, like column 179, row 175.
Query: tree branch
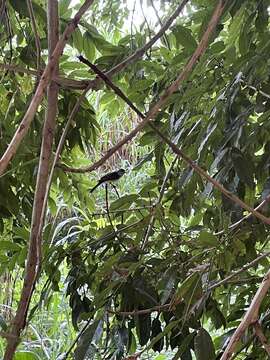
column 39, row 94
column 238, row 272
column 165, row 307
column 239, row 222
column 139, row 53
column 260, row 335
column 155, row 109
column 250, row 317
column 39, row 206
column 175, row 149
column 60, row 80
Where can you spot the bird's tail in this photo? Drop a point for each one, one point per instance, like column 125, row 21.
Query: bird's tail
column 94, row 188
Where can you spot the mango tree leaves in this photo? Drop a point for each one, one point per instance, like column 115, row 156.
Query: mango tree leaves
column 203, row 346
column 243, row 167
column 85, row 347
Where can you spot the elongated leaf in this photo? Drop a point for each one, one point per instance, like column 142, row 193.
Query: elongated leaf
column 203, row 346
column 184, row 37
column 85, row 342
column 243, row 167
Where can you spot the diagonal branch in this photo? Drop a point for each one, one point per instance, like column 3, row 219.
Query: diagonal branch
column 39, row 94
column 175, row 149
column 155, row 109
column 250, row 317
column 238, row 272
column 139, row 53
column 83, row 84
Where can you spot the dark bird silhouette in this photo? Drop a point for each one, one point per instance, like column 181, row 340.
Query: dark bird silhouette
column 112, row 176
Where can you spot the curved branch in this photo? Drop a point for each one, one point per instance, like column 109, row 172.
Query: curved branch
column 40, row 91
column 155, row 109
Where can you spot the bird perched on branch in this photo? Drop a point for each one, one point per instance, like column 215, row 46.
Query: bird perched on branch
column 110, row 177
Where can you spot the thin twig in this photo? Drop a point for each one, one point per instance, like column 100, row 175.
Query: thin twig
column 160, row 23
column 153, row 215
column 146, row 207
column 165, row 307
column 255, row 89
column 239, row 222
column 76, row 339
column 238, row 272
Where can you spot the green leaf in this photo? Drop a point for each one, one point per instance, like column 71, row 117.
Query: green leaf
column 6, row 245
column 243, row 167
column 63, row 6
column 143, row 328
column 124, row 202
column 186, row 288
column 161, row 357
column 84, row 344
column 203, row 346
column 184, row 37
column 77, row 40
column 207, row 239
column 184, row 346
column 26, row 355
column 88, row 47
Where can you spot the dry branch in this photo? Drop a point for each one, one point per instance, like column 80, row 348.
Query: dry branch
column 156, row 108
column 260, row 335
column 39, row 94
column 250, row 317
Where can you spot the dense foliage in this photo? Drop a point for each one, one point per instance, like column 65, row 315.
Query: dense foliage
column 140, row 266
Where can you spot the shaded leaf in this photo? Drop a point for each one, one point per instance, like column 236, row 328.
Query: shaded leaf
column 203, row 346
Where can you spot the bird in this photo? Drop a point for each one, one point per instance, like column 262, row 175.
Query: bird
column 112, row 176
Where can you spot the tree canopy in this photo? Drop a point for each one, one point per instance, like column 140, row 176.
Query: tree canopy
column 173, row 259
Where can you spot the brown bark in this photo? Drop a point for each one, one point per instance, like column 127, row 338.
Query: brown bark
column 34, row 252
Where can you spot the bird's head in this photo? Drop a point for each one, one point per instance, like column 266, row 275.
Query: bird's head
column 121, row 172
